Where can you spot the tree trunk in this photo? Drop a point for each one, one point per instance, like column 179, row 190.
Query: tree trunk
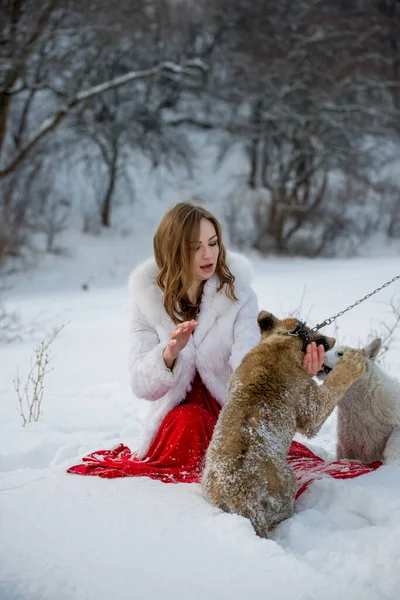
column 107, row 201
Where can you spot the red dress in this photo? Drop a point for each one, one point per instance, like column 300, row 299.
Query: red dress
column 177, row 452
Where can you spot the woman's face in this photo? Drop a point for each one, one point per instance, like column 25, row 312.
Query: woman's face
column 205, row 251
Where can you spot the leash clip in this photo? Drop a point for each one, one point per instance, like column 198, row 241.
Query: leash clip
column 300, row 331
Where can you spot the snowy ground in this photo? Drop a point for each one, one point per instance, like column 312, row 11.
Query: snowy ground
column 66, row 537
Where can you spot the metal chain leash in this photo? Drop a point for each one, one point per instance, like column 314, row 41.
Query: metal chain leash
column 331, row 319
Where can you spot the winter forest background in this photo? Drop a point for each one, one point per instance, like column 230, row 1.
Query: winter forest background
column 282, row 117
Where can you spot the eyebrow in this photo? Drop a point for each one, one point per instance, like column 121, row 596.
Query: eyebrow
column 209, row 239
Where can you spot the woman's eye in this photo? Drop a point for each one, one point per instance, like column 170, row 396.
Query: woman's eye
column 214, row 244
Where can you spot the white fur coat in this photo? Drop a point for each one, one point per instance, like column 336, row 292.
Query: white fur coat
column 227, row 330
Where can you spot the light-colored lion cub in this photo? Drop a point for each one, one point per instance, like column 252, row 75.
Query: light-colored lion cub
column 369, row 412
column 270, row 397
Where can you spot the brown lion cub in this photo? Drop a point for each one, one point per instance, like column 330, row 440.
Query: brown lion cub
column 270, row 397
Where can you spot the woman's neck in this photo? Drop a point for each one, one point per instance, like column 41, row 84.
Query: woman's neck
column 193, row 292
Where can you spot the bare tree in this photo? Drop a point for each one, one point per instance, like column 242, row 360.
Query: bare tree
column 311, row 85
column 43, row 82
column 306, row 89
column 45, row 27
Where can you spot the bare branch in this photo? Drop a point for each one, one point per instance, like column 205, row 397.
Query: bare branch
column 181, row 73
column 19, row 62
column 30, row 395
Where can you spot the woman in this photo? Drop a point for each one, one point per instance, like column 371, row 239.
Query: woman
column 194, row 317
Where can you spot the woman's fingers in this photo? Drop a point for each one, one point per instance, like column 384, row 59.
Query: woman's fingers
column 314, row 358
column 179, row 337
column 188, row 326
column 321, row 357
column 183, row 329
column 175, row 332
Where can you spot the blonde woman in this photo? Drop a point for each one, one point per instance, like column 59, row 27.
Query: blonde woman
column 193, row 318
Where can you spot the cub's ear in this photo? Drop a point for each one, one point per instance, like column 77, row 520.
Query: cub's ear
column 373, row 348
column 266, row 321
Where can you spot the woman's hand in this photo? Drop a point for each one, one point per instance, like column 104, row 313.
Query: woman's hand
column 314, row 358
column 178, row 338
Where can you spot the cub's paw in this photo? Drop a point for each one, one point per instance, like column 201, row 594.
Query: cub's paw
column 354, row 363
column 391, row 454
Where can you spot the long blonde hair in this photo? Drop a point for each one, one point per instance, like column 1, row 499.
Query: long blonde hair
column 179, row 227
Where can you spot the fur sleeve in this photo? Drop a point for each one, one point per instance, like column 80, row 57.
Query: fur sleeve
column 150, row 378
column 246, row 333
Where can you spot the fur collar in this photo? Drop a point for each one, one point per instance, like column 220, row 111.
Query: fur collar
column 146, row 294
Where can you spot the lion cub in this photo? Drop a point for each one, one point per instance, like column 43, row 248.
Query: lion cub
column 368, row 426
column 270, row 397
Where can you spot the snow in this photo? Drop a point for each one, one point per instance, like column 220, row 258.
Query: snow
column 84, row 538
